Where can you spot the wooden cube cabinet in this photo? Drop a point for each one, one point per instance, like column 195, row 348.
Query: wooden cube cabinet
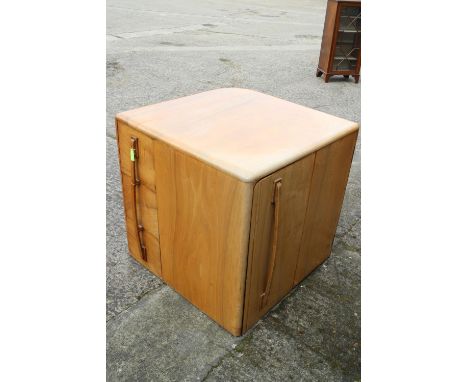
column 340, row 53
column 232, row 196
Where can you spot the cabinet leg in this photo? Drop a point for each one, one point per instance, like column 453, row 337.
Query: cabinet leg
column 318, row 73
column 327, row 77
column 356, row 78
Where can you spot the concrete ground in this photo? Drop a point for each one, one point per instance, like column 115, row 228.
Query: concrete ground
column 159, row 50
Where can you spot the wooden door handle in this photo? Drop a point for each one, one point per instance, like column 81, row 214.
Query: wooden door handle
column 134, row 155
column 274, row 244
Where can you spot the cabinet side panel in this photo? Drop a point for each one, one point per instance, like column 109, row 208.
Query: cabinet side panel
column 327, row 37
column 329, row 180
column 204, row 222
column 277, row 225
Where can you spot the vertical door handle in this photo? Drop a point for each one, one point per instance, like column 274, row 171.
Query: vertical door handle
column 274, row 243
column 134, row 155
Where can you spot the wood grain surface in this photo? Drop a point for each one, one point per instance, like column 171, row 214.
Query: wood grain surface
column 146, row 201
column 326, row 193
column 312, row 193
column 204, row 217
column 326, row 58
column 295, row 181
column 241, row 132
column 146, row 160
column 240, row 211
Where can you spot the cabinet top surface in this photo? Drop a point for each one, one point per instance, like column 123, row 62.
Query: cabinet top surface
column 242, row 132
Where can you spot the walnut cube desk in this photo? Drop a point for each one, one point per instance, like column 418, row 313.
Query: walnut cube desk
column 232, row 196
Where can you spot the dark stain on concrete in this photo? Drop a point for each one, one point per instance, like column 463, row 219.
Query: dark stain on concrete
column 257, row 13
column 171, row 43
column 112, row 68
column 307, row 36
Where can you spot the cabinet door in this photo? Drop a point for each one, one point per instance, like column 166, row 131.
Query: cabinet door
column 278, row 212
column 331, row 170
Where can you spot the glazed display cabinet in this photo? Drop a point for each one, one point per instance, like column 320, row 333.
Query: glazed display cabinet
column 340, row 53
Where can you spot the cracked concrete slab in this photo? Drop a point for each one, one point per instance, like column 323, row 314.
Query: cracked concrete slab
column 269, row 353
column 350, row 211
column 312, row 335
column 164, row 338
